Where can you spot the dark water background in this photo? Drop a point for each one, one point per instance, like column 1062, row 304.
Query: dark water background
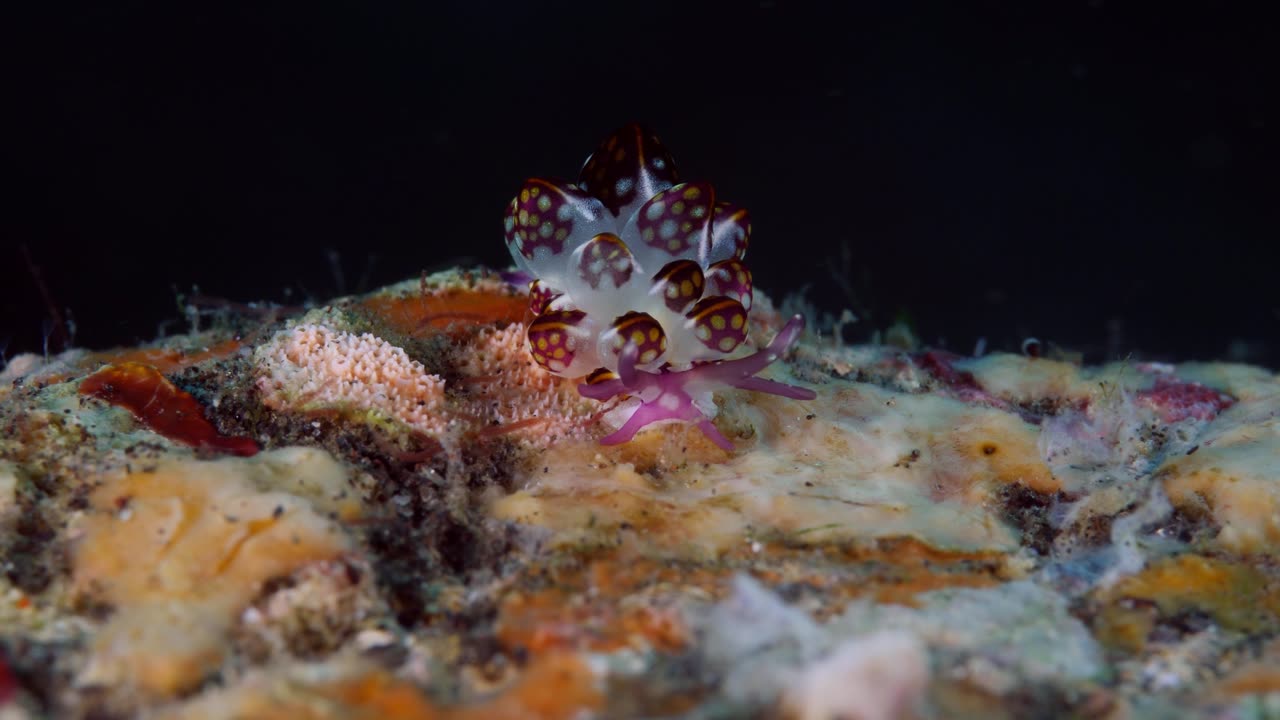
column 1099, row 174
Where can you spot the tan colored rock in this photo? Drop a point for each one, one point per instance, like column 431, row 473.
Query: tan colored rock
column 1232, row 475
column 1022, row 379
column 857, row 463
column 8, row 486
column 178, row 549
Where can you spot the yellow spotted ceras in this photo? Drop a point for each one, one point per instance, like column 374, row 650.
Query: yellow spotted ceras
column 555, row 338
column 719, row 323
column 639, row 329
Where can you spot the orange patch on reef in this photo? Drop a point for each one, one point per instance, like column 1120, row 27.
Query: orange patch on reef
column 157, row 403
column 584, row 607
column 1254, row 679
column 613, row 600
column 1239, row 596
column 167, row 360
column 179, row 547
column 376, row 695
column 444, row 310
column 900, row 569
column 557, row 686
column 1236, row 594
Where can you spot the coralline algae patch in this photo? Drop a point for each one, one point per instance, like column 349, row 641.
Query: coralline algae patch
column 932, row 536
column 928, row 467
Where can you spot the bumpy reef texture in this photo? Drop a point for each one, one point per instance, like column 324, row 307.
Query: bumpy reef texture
column 382, row 508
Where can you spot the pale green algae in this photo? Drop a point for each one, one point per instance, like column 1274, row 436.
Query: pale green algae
column 1003, row 639
column 1024, row 625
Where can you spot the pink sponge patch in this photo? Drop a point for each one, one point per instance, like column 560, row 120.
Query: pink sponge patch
column 1176, row 400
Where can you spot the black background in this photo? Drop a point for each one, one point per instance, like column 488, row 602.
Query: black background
column 1098, row 174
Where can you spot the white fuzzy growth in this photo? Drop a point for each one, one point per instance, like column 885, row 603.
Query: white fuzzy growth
column 875, row 677
column 312, row 366
column 1128, row 555
column 817, row 672
column 754, row 639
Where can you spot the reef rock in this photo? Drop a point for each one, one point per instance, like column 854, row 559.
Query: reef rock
column 385, row 507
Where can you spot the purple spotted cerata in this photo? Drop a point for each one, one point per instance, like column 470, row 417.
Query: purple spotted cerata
column 639, row 285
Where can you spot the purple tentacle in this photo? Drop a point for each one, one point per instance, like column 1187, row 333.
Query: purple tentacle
column 785, row 338
column 647, row 413
column 627, row 372
column 518, row 278
column 672, row 401
column 714, row 435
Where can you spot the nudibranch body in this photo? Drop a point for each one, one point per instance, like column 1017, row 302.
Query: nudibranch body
column 640, row 285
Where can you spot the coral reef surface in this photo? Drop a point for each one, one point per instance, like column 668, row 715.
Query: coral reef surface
column 386, row 508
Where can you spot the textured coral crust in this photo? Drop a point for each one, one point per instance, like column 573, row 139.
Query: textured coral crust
column 619, row 264
column 507, row 392
column 315, row 365
column 156, row 403
column 498, row 387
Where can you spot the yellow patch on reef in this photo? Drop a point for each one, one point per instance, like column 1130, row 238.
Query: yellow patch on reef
column 1244, row 382
column 1232, row 475
column 178, row 549
column 858, row 462
column 1018, row 378
column 1237, row 595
